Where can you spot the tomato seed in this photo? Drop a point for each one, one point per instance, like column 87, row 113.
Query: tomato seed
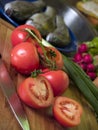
column 69, row 110
column 40, row 92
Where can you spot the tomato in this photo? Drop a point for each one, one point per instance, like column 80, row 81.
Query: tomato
column 59, row 81
column 24, row 58
column 54, row 55
column 57, row 58
column 36, row 92
column 67, row 111
column 20, row 35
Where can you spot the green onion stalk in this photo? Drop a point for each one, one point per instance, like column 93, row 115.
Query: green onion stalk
column 49, row 62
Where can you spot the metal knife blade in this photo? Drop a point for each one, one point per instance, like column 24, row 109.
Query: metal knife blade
column 9, row 91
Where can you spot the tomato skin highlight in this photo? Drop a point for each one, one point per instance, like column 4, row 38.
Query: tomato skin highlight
column 33, row 95
column 19, row 35
column 24, row 58
column 59, row 81
column 67, row 111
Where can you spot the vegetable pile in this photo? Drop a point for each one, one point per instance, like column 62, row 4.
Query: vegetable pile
column 86, row 57
column 47, row 76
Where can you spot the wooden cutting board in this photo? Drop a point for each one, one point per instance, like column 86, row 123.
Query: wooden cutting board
column 38, row 119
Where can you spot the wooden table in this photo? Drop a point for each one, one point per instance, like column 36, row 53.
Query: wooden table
column 38, row 119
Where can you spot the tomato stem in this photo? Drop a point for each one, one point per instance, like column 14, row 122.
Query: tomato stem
column 51, row 63
column 35, row 73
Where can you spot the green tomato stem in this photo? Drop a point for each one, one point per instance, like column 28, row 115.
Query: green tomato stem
column 41, row 45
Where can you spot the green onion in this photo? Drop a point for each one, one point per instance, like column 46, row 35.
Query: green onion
column 49, row 62
column 80, row 74
column 83, row 82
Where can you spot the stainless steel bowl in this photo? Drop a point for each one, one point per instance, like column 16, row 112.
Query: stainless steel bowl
column 78, row 24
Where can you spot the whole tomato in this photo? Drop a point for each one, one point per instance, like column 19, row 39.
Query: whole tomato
column 19, row 35
column 36, row 92
column 59, row 81
column 67, row 111
column 54, row 55
column 24, row 58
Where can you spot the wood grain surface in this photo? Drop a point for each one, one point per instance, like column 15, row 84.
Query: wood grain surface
column 38, row 119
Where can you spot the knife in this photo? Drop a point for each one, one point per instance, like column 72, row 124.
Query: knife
column 10, row 93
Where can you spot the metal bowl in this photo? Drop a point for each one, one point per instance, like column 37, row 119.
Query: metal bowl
column 71, row 48
column 78, row 24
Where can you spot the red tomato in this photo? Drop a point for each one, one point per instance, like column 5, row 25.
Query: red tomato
column 20, row 35
column 24, row 58
column 67, row 111
column 54, row 55
column 59, row 81
column 36, row 92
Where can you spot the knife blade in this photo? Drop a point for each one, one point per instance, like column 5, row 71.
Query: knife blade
column 10, row 93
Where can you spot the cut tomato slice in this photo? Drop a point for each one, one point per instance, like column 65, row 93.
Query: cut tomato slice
column 67, row 111
column 36, row 92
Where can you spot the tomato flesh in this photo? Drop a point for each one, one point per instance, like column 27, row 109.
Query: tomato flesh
column 40, row 92
column 67, row 111
column 36, row 92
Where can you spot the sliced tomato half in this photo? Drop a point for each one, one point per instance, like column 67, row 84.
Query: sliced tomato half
column 67, row 111
column 36, row 92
